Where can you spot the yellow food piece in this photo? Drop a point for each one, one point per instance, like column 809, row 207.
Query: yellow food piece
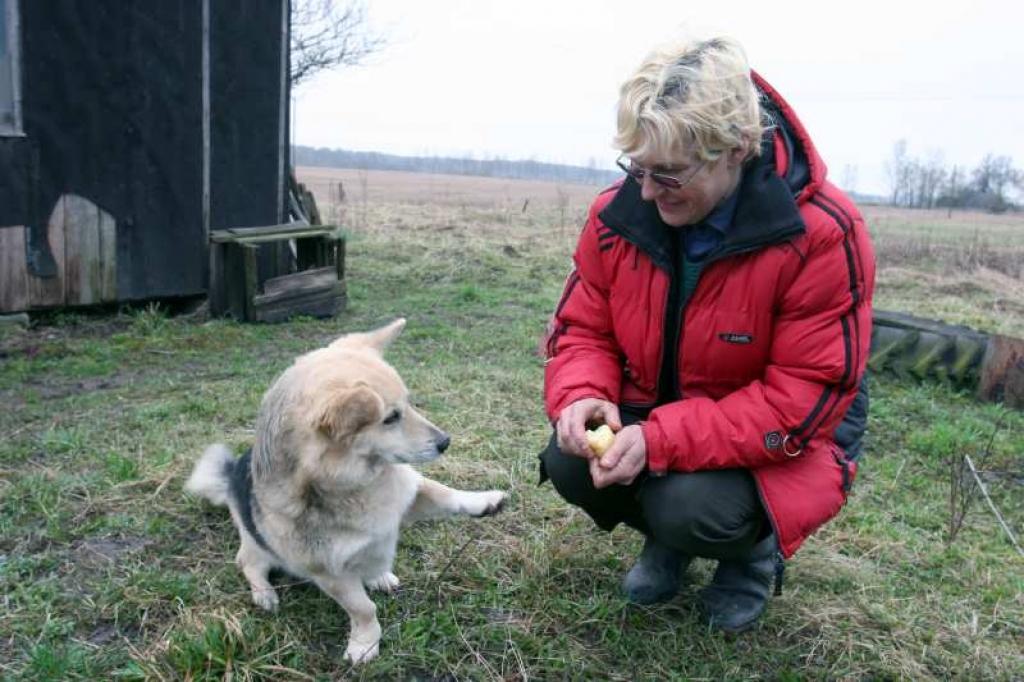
column 600, row 439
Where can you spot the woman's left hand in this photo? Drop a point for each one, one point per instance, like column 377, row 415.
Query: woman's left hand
column 623, row 461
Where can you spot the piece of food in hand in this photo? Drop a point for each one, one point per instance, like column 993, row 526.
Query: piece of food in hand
column 600, row 439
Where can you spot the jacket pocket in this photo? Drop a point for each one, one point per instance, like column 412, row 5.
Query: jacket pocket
column 723, row 347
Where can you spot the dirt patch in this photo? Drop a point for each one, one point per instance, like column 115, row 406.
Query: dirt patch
column 103, row 552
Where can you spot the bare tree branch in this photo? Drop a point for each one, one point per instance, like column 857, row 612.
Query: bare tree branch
column 326, row 34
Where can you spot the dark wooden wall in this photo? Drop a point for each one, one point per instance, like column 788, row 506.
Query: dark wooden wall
column 113, row 119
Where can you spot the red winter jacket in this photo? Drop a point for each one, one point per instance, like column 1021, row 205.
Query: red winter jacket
column 772, row 343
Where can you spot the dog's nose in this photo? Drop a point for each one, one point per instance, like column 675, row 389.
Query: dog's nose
column 443, row 442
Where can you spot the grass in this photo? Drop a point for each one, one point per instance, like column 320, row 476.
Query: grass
column 109, row 572
column 964, row 268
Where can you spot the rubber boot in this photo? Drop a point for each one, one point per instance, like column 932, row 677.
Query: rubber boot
column 738, row 593
column 654, row 578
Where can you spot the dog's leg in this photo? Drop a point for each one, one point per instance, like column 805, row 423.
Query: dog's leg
column 434, row 499
column 364, row 638
column 256, row 565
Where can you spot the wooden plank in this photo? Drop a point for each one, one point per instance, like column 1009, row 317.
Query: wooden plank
column 48, row 292
column 81, row 250
column 318, row 277
column 251, row 278
column 108, row 257
column 318, row 301
column 217, row 293
column 14, row 288
column 267, row 238
column 234, row 279
column 298, row 292
column 283, row 231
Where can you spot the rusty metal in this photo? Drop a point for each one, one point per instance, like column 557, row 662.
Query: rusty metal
column 1002, row 371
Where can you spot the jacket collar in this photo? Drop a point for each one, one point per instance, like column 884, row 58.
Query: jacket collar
column 766, row 213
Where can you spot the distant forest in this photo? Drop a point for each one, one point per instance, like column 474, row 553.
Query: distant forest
column 496, row 167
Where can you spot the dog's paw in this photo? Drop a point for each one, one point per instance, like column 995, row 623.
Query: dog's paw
column 360, row 652
column 265, row 598
column 386, row 582
column 485, row 503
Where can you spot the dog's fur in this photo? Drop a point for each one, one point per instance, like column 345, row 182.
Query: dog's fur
column 328, row 481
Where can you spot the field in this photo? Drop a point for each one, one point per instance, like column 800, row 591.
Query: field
column 108, row 571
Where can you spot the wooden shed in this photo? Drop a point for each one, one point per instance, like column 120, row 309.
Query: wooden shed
column 129, row 130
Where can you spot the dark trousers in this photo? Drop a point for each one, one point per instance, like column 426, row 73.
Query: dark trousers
column 715, row 514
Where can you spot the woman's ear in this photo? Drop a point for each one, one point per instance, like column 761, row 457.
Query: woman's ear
column 738, row 155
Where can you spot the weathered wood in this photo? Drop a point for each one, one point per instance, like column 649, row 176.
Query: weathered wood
column 108, row 257
column 46, row 292
column 235, row 273
column 317, row 277
column 267, row 238
column 317, row 301
column 82, row 250
column 14, row 286
column 286, row 230
column 216, row 291
column 251, row 279
column 300, row 288
column 234, row 278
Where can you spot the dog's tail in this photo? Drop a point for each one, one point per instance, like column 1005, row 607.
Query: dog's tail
column 211, row 477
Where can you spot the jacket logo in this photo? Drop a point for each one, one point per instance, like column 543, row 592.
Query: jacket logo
column 773, row 440
column 733, row 337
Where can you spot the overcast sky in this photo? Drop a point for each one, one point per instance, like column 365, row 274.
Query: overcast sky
column 539, row 78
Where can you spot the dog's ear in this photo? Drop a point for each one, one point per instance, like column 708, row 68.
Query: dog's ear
column 378, row 339
column 348, row 411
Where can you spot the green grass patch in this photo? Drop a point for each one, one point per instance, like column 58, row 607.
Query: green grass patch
column 109, row 571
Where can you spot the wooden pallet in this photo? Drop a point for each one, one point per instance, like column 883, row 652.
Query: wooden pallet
column 317, row 287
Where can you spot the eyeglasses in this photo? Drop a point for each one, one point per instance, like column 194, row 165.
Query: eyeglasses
column 663, row 179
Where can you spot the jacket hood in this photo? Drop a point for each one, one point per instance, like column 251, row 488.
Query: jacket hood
column 796, row 159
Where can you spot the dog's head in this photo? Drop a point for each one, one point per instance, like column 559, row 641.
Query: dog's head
column 347, row 410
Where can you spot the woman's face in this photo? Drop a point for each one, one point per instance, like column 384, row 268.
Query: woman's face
column 709, row 183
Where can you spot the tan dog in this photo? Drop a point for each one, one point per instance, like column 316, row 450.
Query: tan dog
column 325, row 487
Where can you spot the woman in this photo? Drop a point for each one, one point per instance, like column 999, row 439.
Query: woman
column 718, row 318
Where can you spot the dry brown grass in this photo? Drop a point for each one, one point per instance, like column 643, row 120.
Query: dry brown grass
column 961, row 267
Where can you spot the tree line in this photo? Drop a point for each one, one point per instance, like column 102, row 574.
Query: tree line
column 491, row 167
column 928, row 182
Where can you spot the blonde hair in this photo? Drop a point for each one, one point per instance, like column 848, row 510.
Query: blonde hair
column 695, row 97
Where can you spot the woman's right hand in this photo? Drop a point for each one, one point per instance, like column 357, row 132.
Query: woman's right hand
column 572, row 424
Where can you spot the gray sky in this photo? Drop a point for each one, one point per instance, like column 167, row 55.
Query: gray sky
column 538, row 79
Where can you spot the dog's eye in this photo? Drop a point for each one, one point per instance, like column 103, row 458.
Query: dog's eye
column 392, row 417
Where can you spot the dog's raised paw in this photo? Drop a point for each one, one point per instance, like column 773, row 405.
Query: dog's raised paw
column 486, row 503
column 386, row 582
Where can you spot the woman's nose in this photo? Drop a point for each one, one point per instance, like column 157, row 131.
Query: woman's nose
column 649, row 189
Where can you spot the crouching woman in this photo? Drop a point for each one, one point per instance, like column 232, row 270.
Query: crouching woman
column 718, row 318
